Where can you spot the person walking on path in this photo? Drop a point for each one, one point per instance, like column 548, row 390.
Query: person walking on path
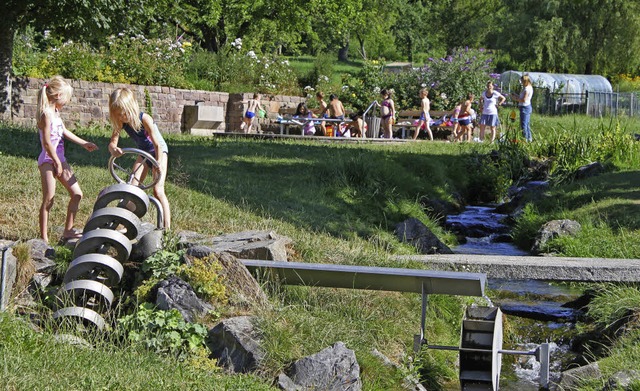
column 524, row 104
column 124, row 113
column 52, row 163
column 490, row 101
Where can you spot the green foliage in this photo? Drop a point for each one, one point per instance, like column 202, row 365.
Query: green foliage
column 614, row 302
column 73, row 60
column 494, row 173
column 448, row 79
column 571, row 148
column 63, row 257
column 452, row 77
column 27, row 55
column 147, row 61
column 32, row 356
column 147, row 102
column 162, row 264
column 235, row 69
column 527, row 225
column 162, row 331
column 204, row 278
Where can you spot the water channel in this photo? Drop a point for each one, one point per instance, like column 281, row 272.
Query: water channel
column 533, row 309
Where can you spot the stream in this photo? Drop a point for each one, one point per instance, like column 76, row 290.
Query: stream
column 533, row 309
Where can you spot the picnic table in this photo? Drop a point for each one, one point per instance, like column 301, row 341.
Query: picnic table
column 286, row 122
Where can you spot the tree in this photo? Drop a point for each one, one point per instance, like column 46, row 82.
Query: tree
column 87, row 20
column 573, row 36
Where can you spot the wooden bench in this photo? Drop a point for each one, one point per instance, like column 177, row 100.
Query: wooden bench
column 405, row 127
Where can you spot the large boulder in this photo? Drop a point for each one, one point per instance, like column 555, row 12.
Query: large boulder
column 45, row 268
column 242, row 289
column 552, row 230
column 413, row 231
column 570, row 379
column 174, row 293
column 235, row 344
column 589, row 170
column 149, row 242
column 265, row 245
column 333, row 368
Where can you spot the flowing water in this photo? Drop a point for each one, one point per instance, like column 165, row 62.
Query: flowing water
column 532, row 308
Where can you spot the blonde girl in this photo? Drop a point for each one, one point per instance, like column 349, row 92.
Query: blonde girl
column 51, row 162
column 124, row 113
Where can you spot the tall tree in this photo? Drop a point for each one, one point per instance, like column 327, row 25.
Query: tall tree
column 573, row 36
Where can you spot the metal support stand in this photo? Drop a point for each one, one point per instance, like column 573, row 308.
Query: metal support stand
column 160, row 212
column 3, row 277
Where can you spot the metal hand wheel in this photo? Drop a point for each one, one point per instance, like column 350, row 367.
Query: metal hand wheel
column 128, row 176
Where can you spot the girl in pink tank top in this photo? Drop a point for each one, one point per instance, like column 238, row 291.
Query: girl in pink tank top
column 51, row 161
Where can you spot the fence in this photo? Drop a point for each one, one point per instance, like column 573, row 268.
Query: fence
column 595, row 104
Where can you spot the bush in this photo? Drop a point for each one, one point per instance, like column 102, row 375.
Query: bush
column 162, row 264
column 147, row 61
column 163, row 331
column 205, row 280
column 448, row 79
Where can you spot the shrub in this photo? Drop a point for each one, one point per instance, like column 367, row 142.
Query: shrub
column 162, row 331
column 203, row 276
column 148, row 61
column 73, row 60
column 27, row 55
column 448, row 79
column 162, row 264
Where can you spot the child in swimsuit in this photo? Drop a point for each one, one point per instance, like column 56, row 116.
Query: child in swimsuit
column 253, row 106
column 51, row 161
column 124, row 113
column 322, row 112
column 388, row 112
column 425, row 118
column 302, row 111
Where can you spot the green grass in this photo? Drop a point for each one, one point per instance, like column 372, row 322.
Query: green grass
column 37, row 361
column 339, row 203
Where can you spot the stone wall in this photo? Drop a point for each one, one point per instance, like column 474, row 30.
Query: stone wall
column 90, row 104
column 271, row 103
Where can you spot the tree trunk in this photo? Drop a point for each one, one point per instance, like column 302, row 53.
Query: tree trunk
column 363, row 52
column 343, row 53
column 6, row 55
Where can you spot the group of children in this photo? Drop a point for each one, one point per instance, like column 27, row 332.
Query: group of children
column 333, row 110
column 124, row 114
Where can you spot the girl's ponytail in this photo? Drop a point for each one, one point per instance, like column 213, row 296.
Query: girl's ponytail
column 56, row 88
column 43, row 102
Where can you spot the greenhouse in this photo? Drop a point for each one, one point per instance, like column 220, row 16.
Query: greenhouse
column 562, row 93
column 559, row 82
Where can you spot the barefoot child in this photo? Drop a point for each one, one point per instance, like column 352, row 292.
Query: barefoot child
column 52, row 162
column 388, row 112
column 124, row 113
column 425, row 117
column 253, row 107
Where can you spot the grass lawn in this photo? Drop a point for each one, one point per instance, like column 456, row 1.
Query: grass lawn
column 339, row 203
